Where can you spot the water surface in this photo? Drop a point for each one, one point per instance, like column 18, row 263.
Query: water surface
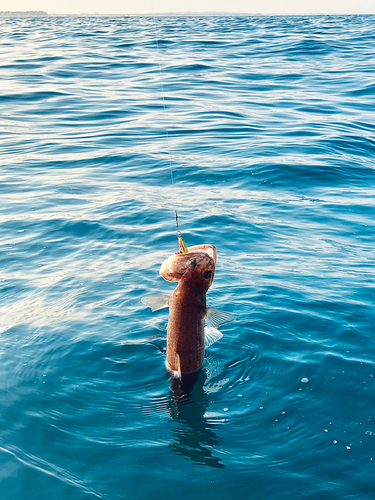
column 260, row 130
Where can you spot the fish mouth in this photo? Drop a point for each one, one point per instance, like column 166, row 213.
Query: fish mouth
column 198, row 258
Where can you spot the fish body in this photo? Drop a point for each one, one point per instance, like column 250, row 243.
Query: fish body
column 191, row 326
column 194, row 271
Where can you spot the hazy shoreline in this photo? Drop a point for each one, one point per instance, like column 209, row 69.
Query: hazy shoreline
column 27, row 13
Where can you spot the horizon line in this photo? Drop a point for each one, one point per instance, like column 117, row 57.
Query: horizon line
column 34, row 13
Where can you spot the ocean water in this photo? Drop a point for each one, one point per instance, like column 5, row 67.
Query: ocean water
column 260, row 131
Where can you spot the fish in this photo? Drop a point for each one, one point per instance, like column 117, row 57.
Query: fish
column 192, row 326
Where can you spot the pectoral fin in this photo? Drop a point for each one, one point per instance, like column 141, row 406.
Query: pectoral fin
column 156, row 302
column 211, row 335
column 216, row 318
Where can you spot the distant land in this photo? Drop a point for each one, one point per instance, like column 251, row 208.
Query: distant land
column 27, row 13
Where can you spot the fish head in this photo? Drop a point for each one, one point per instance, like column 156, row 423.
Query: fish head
column 196, row 265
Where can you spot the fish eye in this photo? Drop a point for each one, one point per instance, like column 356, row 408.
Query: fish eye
column 207, row 275
column 193, row 262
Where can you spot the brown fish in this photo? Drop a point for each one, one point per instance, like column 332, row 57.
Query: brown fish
column 187, row 335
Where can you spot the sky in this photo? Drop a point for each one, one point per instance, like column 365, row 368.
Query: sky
column 159, row 6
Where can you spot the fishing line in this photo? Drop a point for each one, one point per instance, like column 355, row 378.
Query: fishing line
column 163, row 101
column 181, row 243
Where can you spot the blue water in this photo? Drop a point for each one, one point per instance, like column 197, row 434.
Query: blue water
column 260, row 130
